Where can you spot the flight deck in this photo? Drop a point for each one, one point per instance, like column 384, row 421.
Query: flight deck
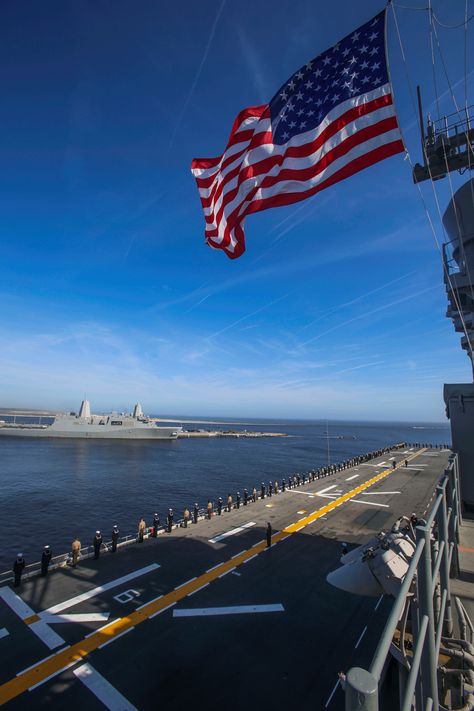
column 209, row 614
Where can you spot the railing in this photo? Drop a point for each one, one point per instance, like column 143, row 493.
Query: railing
column 455, row 123
column 447, row 145
column 431, row 617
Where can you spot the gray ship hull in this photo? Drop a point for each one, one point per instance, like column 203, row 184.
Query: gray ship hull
column 166, row 433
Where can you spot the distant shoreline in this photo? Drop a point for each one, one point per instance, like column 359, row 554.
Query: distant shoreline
column 257, row 421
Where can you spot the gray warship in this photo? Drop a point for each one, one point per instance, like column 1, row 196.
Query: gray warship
column 85, row 425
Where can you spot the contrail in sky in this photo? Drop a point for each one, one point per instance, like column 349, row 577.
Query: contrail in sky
column 130, row 245
column 253, row 313
column 358, row 298
column 369, row 313
column 197, row 304
column 198, row 73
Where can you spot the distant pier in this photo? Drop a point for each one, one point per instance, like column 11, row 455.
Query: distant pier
column 228, row 433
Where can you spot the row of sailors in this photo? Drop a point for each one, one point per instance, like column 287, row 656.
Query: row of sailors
column 98, row 542
column 273, row 488
column 266, row 490
column 426, row 445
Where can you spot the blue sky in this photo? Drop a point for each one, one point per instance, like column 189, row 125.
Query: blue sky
column 336, row 309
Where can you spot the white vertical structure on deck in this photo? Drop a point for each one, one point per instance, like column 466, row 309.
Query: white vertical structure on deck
column 85, row 410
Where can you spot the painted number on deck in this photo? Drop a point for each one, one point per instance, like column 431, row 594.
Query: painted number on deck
column 126, row 596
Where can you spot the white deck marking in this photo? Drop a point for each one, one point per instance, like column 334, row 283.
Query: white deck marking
column 213, row 567
column 186, row 583
column 40, row 628
column 328, row 488
column 71, row 617
column 226, row 572
column 50, row 656
column 100, row 687
column 99, row 629
column 16, row 603
column 162, row 610
column 51, row 676
column 379, row 493
column 102, row 588
column 149, row 601
column 354, row 476
column 201, row 588
column 381, row 464
column 126, row 596
column 415, row 468
column 378, row 603
column 370, row 503
column 360, row 638
column 332, row 693
column 247, row 560
column 216, row 539
column 4, row 632
column 114, row 639
column 46, row 634
column 305, row 493
column 231, row 610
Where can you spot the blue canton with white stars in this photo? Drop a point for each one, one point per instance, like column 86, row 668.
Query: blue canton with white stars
column 354, row 66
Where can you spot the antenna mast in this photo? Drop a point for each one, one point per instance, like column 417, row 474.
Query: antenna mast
column 327, row 441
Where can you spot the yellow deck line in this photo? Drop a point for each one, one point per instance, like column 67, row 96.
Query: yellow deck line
column 55, row 664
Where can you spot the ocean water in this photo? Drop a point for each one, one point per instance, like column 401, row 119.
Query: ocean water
column 53, row 490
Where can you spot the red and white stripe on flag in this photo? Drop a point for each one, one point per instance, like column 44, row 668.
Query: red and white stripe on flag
column 254, row 174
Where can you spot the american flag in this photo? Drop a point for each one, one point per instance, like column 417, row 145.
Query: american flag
column 332, row 118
